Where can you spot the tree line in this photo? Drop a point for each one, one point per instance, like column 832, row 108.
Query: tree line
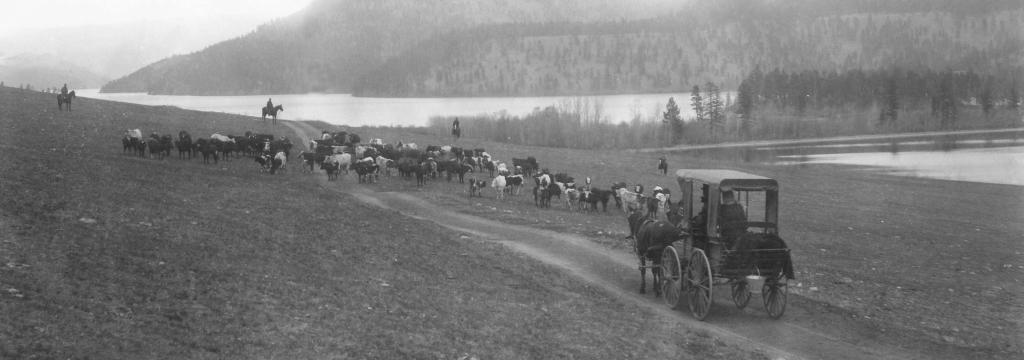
column 772, row 105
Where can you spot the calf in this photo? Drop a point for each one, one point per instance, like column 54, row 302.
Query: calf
column 263, row 160
column 332, row 170
column 476, row 187
column 572, row 197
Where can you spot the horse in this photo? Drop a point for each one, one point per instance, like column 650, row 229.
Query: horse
column 272, row 112
column 65, row 99
column 650, row 237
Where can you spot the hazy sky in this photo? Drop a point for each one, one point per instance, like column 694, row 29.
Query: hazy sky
column 43, row 14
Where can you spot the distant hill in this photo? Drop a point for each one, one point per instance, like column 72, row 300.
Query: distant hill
column 46, row 71
column 548, row 47
column 115, row 50
column 330, row 44
column 673, row 53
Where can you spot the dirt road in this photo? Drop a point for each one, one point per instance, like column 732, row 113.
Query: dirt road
column 808, row 329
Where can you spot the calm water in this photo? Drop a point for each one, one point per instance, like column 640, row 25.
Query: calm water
column 995, row 165
column 344, row 109
column 996, row 158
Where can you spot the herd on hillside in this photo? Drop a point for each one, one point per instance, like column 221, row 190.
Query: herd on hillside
column 343, row 152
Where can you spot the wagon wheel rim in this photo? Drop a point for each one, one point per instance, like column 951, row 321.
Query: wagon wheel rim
column 671, row 276
column 699, row 286
column 740, row 293
column 774, row 294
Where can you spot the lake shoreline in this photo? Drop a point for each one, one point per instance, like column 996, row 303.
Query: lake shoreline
column 834, row 139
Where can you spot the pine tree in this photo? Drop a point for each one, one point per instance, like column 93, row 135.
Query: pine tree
column 745, row 107
column 697, row 103
column 890, row 103
column 946, row 102
column 986, row 100
column 672, row 119
column 713, row 108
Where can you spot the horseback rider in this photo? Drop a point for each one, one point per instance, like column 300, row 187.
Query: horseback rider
column 455, row 128
column 270, row 105
column 64, row 90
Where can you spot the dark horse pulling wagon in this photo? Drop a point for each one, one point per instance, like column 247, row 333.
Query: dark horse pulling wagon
column 716, row 242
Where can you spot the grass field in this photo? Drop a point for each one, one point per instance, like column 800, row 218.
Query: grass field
column 105, row 255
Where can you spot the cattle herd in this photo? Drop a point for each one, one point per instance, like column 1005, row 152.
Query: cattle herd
column 343, row 152
column 271, row 154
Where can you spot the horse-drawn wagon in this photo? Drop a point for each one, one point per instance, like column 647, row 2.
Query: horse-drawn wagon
column 715, row 240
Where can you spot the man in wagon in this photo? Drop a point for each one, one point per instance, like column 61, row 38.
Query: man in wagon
column 733, row 218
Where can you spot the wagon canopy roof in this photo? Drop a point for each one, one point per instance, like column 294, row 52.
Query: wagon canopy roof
column 728, row 179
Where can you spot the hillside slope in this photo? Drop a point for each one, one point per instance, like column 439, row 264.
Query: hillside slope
column 671, row 54
column 327, row 46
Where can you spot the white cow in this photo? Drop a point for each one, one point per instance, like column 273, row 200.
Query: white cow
column 499, row 186
column 221, row 138
column 343, row 161
column 133, row 133
column 279, row 157
column 382, row 165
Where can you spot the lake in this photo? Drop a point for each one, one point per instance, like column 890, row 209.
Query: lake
column 995, row 157
column 345, row 109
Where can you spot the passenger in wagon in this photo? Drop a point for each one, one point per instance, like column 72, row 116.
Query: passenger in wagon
column 733, row 222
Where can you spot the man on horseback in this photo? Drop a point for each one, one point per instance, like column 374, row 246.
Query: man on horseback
column 456, row 132
column 270, row 105
column 64, row 90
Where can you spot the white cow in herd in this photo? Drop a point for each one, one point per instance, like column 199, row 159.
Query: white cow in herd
column 499, row 185
column 221, row 138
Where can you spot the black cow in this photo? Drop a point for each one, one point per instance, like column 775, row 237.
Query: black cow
column 453, row 167
column 331, row 169
column 529, row 165
column 599, row 196
column 208, row 149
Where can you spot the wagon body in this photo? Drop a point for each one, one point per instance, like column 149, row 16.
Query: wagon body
column 710, row 253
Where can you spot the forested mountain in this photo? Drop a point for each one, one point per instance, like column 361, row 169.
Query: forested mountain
column 330, row 44
column 548, row 47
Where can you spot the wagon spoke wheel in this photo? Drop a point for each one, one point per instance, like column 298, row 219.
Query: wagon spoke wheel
column 671, row 276
column 740, row 293
column 698, row 282
column 774, row 295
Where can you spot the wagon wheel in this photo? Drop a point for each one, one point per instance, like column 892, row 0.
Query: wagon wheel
column 774, row 295
column 671, row 276
column 698, row 284
column 740, row 293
